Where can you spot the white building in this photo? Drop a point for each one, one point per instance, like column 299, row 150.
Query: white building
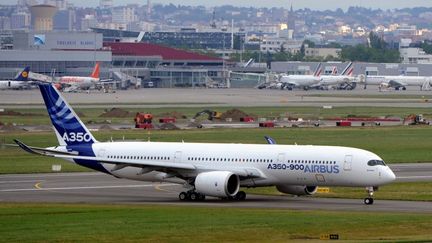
column 412, row 55
column 123, row 15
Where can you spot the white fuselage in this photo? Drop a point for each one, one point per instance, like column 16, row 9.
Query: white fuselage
column 327, row 80
column 11, row 84
column 404, row 80
column 80, row 82
column 300, row 80
column 271, row 164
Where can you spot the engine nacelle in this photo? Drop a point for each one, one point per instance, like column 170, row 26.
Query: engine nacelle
column 297, row 190
column 217, row 183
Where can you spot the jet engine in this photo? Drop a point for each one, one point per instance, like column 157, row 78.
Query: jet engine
column 297, row 190
column 217, row 183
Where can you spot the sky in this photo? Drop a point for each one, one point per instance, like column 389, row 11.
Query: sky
column 312, row 4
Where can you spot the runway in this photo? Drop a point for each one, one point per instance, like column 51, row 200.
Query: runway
column 100, row 188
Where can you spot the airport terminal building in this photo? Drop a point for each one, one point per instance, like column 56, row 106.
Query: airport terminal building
column 75, row 53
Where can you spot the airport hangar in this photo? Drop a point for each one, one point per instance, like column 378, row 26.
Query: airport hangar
column 75, row 53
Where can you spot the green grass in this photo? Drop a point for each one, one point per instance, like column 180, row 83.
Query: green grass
column 408, row 191
column 393, row 144
column 121, row 223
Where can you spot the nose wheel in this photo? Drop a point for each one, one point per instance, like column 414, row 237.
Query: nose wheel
column 369, row 200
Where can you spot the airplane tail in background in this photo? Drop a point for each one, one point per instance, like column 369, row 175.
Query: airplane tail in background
column 348, row 71
column 69, row 129
column 318, row 70
column 23, row 76
column 95, row 73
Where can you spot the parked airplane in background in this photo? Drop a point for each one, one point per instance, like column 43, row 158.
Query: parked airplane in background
column 212, row 169
column 21, row 81
column 399, row 82
column 300, row 81
column 333, row 80
column 72, row 83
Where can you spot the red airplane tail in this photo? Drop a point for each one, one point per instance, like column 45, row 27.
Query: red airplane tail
column 95, row 73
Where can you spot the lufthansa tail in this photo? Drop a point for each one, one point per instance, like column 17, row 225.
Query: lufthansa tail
column 23, row 76
column 69, row 129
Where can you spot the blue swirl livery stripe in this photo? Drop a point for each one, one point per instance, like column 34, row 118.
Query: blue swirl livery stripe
column 69, row 127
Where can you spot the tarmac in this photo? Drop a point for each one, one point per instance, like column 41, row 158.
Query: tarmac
column 199, row 97
column 97, row 188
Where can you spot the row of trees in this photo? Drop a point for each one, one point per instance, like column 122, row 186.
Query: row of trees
column 377, row 50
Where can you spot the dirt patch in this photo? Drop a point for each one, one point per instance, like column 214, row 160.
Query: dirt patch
column 168, row 126
column 195, row 125
column 106, row 127
column 16, row 113
column 116, row 112
column 80, row 114
column 235, row 114
column 42, row 128
column 174, row 114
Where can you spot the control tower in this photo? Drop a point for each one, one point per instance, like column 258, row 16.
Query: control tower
column 42, row 17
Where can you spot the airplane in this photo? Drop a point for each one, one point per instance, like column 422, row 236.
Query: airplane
column 73, row 83
column 333, row 80
column 19, row 82
column 399, row 82
column 300, row 81
column 211, row 169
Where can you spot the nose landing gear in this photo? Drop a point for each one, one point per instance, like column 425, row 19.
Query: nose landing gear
column 369, row 200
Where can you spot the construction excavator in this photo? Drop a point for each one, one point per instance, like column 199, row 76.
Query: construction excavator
column 210, row 114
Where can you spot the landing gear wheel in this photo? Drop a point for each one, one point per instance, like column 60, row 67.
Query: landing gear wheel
column 241, row 196
column 194, row 196
column 183, row 196
column 201, row 197
column 368, row 201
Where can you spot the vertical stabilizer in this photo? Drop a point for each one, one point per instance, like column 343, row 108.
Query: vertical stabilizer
column 95, row 73
column 68, row 127
column 23, row 76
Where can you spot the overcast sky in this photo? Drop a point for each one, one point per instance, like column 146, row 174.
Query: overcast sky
column 312, row 4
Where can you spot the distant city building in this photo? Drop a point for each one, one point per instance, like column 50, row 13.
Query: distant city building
column 410, row 55
column 64, row 20
column 42, row 17
column 123, row 15
column 322, row 52
column 5, row 23
column 106, row 3
column 20, row 21
column 88, row 22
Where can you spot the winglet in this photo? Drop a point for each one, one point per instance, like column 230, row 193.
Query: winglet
column 269, row 140
column 25, row 147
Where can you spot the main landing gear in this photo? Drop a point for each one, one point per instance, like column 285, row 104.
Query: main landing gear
column 369, row 200
column 192, row 195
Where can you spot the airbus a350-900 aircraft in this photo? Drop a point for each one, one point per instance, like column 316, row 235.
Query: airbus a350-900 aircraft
column 212, row 169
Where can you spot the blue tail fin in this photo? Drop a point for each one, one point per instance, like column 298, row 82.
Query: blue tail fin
column 23, row 76
column 68, row 127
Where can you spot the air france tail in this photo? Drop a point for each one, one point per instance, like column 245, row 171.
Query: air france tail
column 68, row 127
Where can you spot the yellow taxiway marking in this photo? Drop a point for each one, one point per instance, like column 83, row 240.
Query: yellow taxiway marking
column 37, row 185
column 323, row 190
column 159, row 187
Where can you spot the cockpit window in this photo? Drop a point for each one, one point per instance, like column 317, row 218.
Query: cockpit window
column 376, row 162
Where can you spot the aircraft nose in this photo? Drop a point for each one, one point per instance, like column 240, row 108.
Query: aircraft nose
column 389, row 176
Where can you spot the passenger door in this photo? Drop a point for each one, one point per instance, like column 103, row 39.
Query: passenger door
column 177, row 157
column 348, row 163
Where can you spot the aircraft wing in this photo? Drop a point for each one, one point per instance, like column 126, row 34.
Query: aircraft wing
column 121, row 163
